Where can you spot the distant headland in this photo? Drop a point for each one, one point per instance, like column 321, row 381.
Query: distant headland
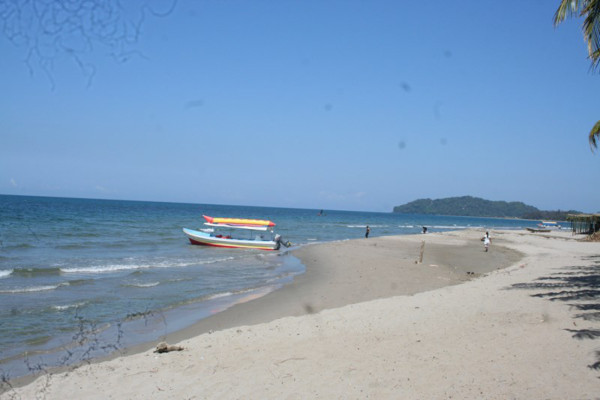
column 469, row 206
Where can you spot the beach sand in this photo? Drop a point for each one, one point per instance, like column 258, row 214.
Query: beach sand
column 368, row 320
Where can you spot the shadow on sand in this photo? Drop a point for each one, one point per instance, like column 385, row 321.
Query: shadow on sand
column 579, row 287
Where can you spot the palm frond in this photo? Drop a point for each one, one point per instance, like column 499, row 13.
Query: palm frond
column 567, row 8
column 591, row 30
column 590, row 11
column 595, row 57
column 595, row 136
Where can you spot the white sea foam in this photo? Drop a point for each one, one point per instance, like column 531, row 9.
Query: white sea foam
column 219, row 295
column 212, row 261
column 31, row 289
column 68, row 306
column 453, row 227
column 227, row 294
column 144, row 285
column 364, row 226
column 5, row 273
column 101, row 269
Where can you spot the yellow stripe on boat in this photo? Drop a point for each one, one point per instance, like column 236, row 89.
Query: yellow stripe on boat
column 239, row 221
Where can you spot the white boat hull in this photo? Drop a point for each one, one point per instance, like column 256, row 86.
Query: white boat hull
column 206, row 239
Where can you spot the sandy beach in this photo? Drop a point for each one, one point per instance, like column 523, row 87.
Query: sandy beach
column 373, row 318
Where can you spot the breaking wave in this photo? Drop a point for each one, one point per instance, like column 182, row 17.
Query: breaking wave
column 5, row 272
column 143, row 285
column 68, row 306
column 35, row 272
column 100, row 269
column 32, row 289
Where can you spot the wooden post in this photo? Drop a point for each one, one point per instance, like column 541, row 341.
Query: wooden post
column 422, row 251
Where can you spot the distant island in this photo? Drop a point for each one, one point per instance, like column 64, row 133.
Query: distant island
column 469, row 206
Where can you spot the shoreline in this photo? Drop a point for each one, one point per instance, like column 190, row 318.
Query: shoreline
column 340, row 277
column 326, row 284
column 321, row 288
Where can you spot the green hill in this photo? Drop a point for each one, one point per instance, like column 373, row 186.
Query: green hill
column 476, row 207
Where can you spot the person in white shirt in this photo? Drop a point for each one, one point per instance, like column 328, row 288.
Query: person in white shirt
column 486, row 241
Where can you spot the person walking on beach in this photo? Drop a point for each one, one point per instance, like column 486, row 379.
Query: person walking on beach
column 486, row 241
column 367, row 231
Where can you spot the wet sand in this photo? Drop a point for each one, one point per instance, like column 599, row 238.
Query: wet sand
column 353, row 271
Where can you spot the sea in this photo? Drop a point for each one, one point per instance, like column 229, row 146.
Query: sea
column 83, row 278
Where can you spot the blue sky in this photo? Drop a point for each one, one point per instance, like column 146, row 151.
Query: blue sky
column 352, row 105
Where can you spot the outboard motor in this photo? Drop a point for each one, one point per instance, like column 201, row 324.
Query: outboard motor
column 280, row 242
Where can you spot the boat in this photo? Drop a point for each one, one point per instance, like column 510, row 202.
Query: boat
column 237, row 233
column 533, row 230
column 549, row 225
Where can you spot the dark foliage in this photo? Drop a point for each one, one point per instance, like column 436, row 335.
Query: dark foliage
column 476, row 207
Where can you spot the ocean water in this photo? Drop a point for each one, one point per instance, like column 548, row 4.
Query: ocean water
column 80, row 278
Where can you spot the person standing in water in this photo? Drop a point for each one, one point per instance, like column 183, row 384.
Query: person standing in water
column 367, row 231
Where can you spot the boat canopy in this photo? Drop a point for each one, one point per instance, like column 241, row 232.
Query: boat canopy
column 252, row 228
column 549, row 223
column 239, row 222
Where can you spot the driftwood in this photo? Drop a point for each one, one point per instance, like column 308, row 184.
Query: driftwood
column 163, row 347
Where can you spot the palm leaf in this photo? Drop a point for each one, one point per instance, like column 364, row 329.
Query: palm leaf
column 595, row 136
column 590, row 10
column 591, row 30
column 567, row 8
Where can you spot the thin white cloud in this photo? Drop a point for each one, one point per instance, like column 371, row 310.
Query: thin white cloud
column 13, row 182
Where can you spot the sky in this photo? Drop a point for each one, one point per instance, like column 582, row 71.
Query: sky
column 348, row 105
